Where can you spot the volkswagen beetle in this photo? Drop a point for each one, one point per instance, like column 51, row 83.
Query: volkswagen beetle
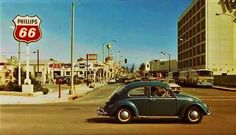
column 151, row 98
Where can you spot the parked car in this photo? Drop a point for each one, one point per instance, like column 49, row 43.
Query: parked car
column 129, row 80
column 152, row 98
column 111, row 81
column 120, row 80
column 64, row 79
column 174, row 86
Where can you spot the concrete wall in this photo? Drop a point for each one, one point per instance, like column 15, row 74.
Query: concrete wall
column 225, row 80
column 163, row 65
column 220, row 56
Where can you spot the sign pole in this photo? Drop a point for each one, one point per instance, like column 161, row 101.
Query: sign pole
column 27, row 80
column 27, row 87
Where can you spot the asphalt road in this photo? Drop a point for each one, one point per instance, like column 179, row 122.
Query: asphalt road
column 79, row 117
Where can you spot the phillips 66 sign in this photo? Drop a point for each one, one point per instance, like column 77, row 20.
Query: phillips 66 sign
column 27, row 28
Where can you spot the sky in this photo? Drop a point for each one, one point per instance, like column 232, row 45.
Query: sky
column 143, row 28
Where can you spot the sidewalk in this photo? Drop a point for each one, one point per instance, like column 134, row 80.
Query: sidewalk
column 48, row 98
column 224, row 88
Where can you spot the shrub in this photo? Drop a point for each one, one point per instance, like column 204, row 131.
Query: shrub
column 38, row 87
column 2, row 88
column 45, row 91
column 16, row 87
column 11, row 87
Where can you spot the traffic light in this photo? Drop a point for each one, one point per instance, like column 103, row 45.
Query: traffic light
column 125, row 60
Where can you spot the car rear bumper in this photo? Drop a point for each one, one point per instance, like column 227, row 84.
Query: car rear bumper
column 101, row 111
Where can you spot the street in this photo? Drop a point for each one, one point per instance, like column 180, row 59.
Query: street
column 79, row 117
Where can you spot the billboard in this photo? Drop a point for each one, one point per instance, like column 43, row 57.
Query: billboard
column 91, row 56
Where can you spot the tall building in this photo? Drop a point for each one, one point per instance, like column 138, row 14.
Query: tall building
column 207, row 36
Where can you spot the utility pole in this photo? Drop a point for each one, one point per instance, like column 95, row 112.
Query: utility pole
column 37, row 62
column 169, row 63
column 37, row 52
column 72, row 48
column 103, row 55
column 87, row 82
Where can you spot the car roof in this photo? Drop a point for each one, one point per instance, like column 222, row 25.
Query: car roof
column 147, row 83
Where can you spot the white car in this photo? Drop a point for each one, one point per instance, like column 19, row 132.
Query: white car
column 175, row 87
column 111, row 81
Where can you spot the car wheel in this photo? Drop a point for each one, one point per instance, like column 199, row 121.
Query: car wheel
column 193, row 115
column 124, row 115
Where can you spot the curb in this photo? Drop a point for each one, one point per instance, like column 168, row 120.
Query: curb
column 75, row 97
column 21, row 95
column 14, row 93
column 34, row 103
column 224, row 88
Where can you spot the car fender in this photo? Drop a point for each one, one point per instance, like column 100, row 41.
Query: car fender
column 182, row 110
column 125, row 104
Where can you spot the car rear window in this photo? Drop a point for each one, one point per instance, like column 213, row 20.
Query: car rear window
column 139, row 91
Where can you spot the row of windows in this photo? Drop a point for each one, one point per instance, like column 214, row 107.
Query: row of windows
column 198, row 61
column 192, row 11
column 192, row 20
column 188, row 33
column 192, row 52
column 192, row 42
column 67, row 73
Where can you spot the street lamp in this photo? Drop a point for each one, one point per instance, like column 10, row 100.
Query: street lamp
column 218, row 14
column 37, row 51
column 103, row 46
column 103, row 55
column 165, row 53
column 116, row 62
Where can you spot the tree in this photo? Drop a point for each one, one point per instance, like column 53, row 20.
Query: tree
column 15, row 75
column 123, row 67
column 142, row 67
column 132, row 69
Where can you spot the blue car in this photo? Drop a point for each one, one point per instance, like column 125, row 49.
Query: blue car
column 152, row 98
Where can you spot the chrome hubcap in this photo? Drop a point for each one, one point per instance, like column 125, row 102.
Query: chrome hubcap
column 194, row 115
column 124, row 115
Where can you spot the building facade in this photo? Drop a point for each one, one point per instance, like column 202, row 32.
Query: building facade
column 163, row 66
column 7, row 67
column 147, row 66
column 207, row 36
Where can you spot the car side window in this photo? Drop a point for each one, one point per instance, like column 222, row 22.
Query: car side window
column 159, row 92
column 139, row 91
